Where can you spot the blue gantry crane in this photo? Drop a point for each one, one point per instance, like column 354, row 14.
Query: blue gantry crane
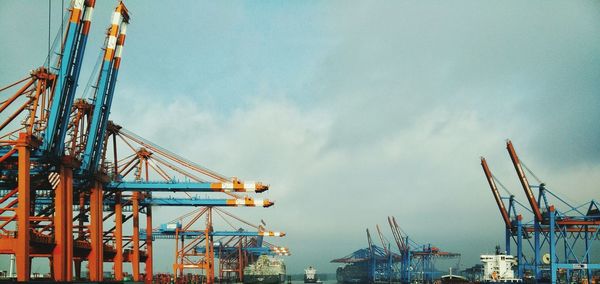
column 556, row 245
column 412, row 263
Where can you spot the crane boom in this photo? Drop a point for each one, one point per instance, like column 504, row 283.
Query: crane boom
column 385, row 247
column 495, row 192
column 105, row 90
column 523, row 179
column 370, row 241
column 69, row 68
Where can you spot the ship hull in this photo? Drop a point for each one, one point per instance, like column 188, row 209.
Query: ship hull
column 352, row 274
column 264, row 279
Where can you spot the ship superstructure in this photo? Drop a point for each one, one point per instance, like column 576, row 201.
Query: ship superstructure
column 310, row 275
column 498, row 268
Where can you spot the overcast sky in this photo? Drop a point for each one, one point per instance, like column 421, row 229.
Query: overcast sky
column 352, row 110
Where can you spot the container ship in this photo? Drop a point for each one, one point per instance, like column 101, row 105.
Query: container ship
column 352, row 273
column 265, row 270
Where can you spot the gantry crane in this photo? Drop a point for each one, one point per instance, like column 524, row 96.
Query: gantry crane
column 57, row 185
column 412, row 263
column 197, row 249
column 573, row 231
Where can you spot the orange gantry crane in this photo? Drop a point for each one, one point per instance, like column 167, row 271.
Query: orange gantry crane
column 66, row 171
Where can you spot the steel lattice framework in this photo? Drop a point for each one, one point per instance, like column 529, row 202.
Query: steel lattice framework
column 557, row 244
column 412, row 263
column 70, row 179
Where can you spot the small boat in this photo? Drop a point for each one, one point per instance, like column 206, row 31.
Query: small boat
column 452, row 279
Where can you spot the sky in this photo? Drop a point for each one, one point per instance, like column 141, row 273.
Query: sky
column 353, row 111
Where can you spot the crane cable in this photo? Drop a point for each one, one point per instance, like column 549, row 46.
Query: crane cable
column 49, row 28
column 502, row 185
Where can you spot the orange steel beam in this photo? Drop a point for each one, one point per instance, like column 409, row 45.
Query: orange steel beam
column 149, row 270
column 15, row 83
column 118, row 260
column 523, row 179
column 96, row 256
column 7, row 155
column 240, row 268
column 171, row 156
column 7, row 196
column 40, row 88
column 62, row 253
column 15, row 114
column 17, row 94
column 495, row 192
column 135, row 262
column 568, row 230
column 23, row 210
column 175, row 265
column 80, row 234
column 210, row 254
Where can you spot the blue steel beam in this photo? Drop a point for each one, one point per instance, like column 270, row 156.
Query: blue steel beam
column 253, row 250
column 69, row 68
column 103, row 97
column 170, row 234
column 246, row 202
column 185, row 186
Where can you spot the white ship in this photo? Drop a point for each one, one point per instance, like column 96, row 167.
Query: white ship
column 310, row 275
column 498, row 268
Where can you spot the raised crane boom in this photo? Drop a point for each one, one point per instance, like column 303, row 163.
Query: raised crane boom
column 69, row 68
column 106, row 83
column 397, row 234
column 523, row 179
column 370, row 241
column 385, row 246
column 496, row 193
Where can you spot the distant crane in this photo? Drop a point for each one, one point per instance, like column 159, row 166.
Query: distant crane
column 412, row 263
column 572, row 231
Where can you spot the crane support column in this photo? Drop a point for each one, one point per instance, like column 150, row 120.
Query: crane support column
column 149, row 272
column 118, row 261
column 552, row 243
column 520, row 261
column 23, row 209
column 80, row 234
column 62, row 254
column 135, row 261
column 96, row 258
column 210, row 254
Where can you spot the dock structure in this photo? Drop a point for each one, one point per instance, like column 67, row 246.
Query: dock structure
column 412, row 262
column 71, row 180
column 196, row 240
column 554, row 240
